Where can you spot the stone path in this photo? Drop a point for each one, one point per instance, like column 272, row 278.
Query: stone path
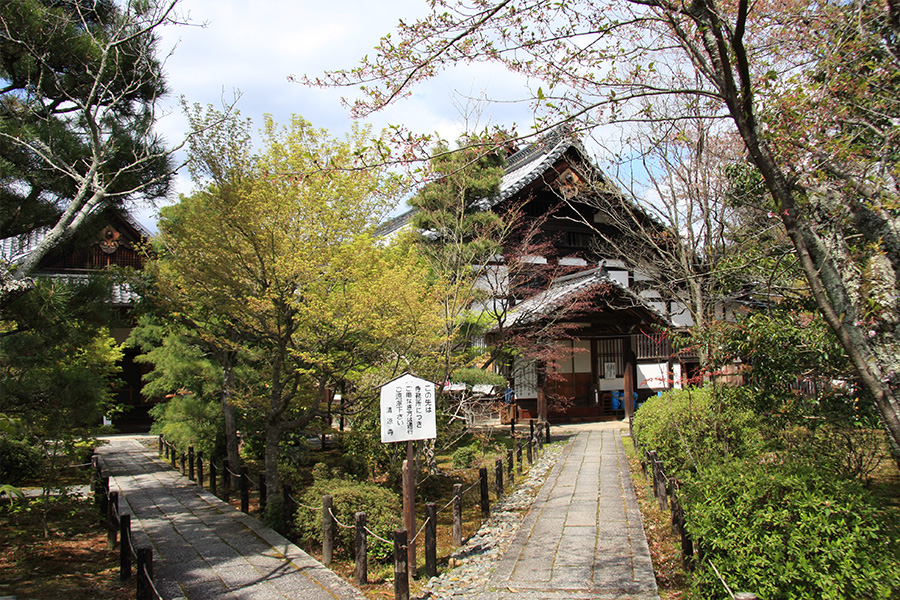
column 582, row 538
column 202, row 547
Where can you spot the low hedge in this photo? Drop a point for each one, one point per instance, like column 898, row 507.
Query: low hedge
column 382, row 508
column 696, row 426
column 789, row 532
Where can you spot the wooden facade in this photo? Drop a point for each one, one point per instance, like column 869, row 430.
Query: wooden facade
column 111, row 238
column 617, row 352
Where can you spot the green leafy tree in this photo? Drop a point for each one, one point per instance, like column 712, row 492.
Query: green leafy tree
column 461, row 240
column 79, row 86
column 191, row 372
column 274, row 251
column 58, row 366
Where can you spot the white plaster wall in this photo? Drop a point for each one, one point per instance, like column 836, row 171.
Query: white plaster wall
column 653, row 376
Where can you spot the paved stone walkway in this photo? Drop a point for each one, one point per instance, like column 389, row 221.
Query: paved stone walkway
column 202, row 547
column 583, row 538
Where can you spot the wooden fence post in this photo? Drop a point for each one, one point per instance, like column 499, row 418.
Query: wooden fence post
column 125, row 547
column 361, row 571
column 519, row 457
column 200, row 468
column 328, row 530
column 191, row 463
column 509, row 466
column 498, row 476
column 103, row 497
column 245, row 489
column 485, row 495
column 112, row 525
column 183, row 461
column 226, row 481
column 529, row 447
column 212, row 474
column 687, row 545
column 431, row 539
column 457, row 514
column 659, row 483
column 401, row 565
column 547, row 433
column 144, row 572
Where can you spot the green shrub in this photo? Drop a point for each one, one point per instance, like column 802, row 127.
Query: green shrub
column 475, row 376
column 382, row 508
column 365, row 455
column 693, row 427
column 788, row 532
column 465, row 456
column 186, row 421
column 19, row 461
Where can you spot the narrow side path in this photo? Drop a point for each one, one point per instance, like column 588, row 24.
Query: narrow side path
column 583, row 538
column 202, row 547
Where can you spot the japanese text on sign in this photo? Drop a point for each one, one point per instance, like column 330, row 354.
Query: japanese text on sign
column 407, row 410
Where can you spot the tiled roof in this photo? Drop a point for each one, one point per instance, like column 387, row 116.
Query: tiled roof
column 394, row 225
column 14, row 249
column 564, row 290
column 522, row 168
column 529, row 163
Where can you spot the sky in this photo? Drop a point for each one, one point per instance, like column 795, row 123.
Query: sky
column 251, row 48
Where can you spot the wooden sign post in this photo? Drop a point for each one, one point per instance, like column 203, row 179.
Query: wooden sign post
column 408, row 413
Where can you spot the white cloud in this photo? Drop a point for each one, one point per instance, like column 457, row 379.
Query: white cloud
column 254, row 46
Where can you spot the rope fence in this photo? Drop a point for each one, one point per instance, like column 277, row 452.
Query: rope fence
column 119, row 533
column 192, row 465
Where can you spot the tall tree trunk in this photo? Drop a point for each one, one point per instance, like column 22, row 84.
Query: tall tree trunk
column 231, row 438
column 273, row 439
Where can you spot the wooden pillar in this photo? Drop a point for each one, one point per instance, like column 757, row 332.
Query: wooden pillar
column 485, row 493
column 125, row 547
column 361, row 570
column 543, row 411
column 431, row 540
column 629, row 377
column 409, row 502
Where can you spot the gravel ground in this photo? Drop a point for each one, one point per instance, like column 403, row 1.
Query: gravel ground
column 472, row 564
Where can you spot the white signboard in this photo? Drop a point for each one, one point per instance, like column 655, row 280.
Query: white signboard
column 609, row 370
column 408, row 410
